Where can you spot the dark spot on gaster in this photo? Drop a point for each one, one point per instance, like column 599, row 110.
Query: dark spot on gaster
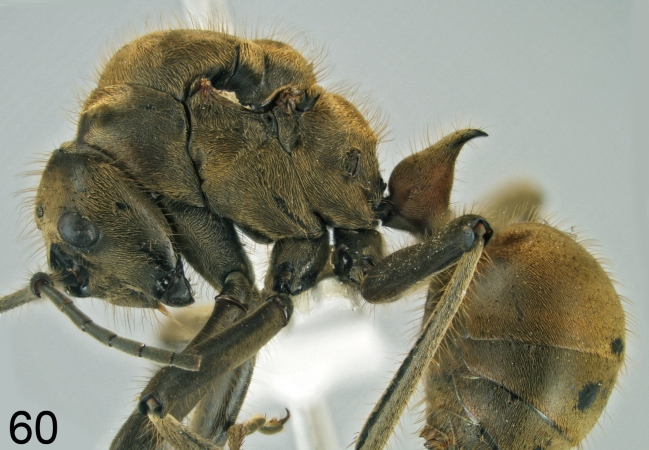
column 40, row 212
column 587, row 395
column 617, row 346
column 122, row 206
column 538, row 447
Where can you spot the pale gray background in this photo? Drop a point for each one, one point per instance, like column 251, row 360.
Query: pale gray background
column 555, row 84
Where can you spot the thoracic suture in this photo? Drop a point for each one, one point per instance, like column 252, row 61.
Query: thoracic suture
column 188, row 141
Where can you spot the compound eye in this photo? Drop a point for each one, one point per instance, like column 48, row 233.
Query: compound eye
column 353, row 163
column 77, row 231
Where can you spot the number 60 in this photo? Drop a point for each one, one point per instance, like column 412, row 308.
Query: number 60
column 13, row 426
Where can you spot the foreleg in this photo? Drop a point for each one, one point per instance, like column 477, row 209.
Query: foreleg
column 211, row 245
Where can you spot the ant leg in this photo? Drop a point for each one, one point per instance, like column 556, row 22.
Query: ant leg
column 294, row 267
column 354, row 254
column 175, row 392
column 197, row 227
column 217, row 411
column 209, row 243
column 420, row 188
column 212, row 246
column 238, row 432
column 386, row 413
column 295, row 264
column 399, row 271
column 418, row 202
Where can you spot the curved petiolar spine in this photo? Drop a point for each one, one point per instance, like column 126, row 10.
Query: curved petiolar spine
column 42, row 284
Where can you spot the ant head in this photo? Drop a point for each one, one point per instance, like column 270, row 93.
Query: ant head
column 105, row 237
